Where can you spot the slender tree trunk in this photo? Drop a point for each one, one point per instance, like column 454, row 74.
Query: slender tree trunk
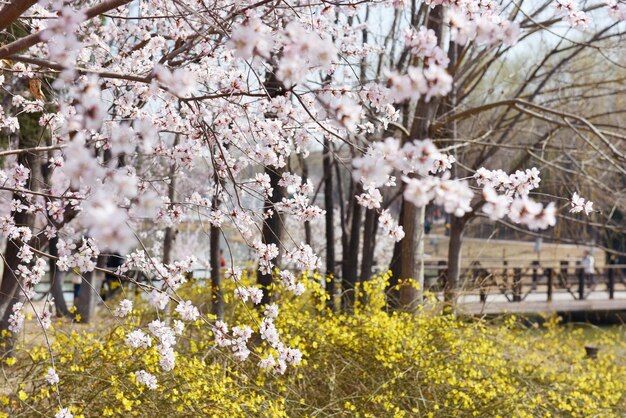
column 9, row 294
column 170, row 232
column 90, row 292
column 217, row 305
column 393, row 295
column 57, row 277
column 369, row 244
column 412, row 246
column 305, row 177
column 329, row 206
column 351, row 253
column 56, row 280
column 454, row 260
column 272, row 230
column 412, row 258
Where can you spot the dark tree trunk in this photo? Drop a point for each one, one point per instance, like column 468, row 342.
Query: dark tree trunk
column 305, row 177
column 330, row 223
column 454, row 259
column 369, row 243
column 57, row 277
column 393, row 295
column 351, row 253
column 272, row 230
column 170, row 232
column 272, row 226
column 412, row 246
column 90, row 292
column 412, row 258
column 9, row 294
column 56, row 280
column 217, row 305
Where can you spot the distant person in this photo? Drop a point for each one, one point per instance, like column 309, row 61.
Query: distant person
column 76, row 280
column 589, row 267
column 111, row 282
column 427, row 227
column 222, row 259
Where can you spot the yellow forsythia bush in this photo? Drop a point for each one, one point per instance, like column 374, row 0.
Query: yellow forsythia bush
column 368, row 364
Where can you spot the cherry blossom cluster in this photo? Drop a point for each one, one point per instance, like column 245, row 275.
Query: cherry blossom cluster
column 417, row 83
column 617, row 9
column 84, row 259
column 238, row 341
column 253, row 293
column 514, row 201
column 579, row 204
column 518, row 184
column 521, row 210
column 390, row 226
column 30, row 276
column 572, row 13
column 483, row 28
column 144, row 378
column 303, row 257
column 265, row 253
column 454, row 196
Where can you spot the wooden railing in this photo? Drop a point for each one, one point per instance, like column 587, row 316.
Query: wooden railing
column 519, row 281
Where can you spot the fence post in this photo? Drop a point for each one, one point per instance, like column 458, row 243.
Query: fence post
column 517, row 284
column 611, row 281
column 443, row 273
column 505, row 272
column 563, row 274
column 482, row 282
column 535, row 265
column 580, row 274
column 550, row 273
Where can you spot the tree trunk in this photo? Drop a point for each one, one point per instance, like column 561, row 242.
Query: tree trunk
column 330, row 224
column 9, row 294
column 272, row 230
column 217, row 305
column 412, row 266
column 369, row 244
column 90, row 292
column 351, row 254
column 454, row 260
column 56, row 280
column 170, row 232
column 393, row 295
column 305, row 177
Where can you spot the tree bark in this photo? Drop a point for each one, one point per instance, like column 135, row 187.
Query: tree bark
column 350, row 263
column 457, row 227
column 90, row 292
column 305, row 177
column 411, row 294
column 393, row 294
column 273, row 226
column 369, row 244
column 217, row 305
column 170, row 232
column 272, row 230
column 412, row 246
column 9, row 294
column 56, row 280
column 330, row 224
